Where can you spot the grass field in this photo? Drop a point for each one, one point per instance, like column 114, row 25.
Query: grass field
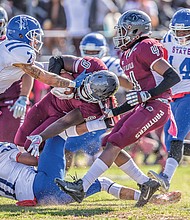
column 103, row 206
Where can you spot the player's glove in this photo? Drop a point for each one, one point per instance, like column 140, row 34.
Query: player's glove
column 80, row 78
column 34, row 146
column 19, row 107
column 55, row 64
column 137, row 97
column 60, row 93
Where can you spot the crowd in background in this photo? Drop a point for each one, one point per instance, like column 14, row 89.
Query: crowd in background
column 66, row 22
column 62, row 16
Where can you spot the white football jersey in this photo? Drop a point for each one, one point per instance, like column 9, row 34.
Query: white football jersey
column 179, row 58
column 16, row 179
column 13, row 51
column 113, row 65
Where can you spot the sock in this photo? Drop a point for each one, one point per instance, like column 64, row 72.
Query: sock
column 170, row 167
column 96, row 170
column 137, row 195
column 132, row 170
column 94, row 188
column 110, row 187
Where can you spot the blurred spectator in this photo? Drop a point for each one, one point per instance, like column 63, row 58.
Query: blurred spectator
column 85, row 16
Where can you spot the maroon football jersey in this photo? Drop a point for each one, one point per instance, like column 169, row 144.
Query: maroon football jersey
column 137, row 63
column 51, row 108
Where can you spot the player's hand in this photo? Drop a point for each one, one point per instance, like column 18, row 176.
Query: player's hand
column 107, row 113
column 137, row 97
column 56, row 64
column 34, row 146
column 80, row 78
column 63, row 93
column 19, row 107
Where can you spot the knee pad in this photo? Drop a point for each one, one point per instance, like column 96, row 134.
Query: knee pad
column 176, row 150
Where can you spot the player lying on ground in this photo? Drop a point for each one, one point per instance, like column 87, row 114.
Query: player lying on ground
column 21, row 182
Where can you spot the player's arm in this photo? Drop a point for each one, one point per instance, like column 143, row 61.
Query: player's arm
column 170, row 77
column 72, row 118
column 58, row 63
column 123, row 81
column 27, row 84
column 19, row 107
column 27, row 159
column 44, row 76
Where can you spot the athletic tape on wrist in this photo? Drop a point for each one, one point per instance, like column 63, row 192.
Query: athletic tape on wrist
column 95, row 125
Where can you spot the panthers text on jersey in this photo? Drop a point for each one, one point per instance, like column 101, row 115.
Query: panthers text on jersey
column 179, row 58
column 12, row 52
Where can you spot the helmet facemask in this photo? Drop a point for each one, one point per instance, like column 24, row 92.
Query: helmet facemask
column 98, row 86
column 3, row 24
column 93, row 45
column 180, row 26
column 35, row 38
column 184, row 39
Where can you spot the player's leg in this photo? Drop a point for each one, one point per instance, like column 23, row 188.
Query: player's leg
column 124, row 133
column 175, row 144
column 8, row 124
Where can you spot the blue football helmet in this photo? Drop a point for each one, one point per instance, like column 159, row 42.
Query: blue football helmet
column 180, row 26
column 94, row 45
column 26, row 29
column 132, row 25
column 3, row 21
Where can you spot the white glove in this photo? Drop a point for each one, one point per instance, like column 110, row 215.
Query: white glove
column 137, row 97
column 34, row 146
column 106, row 114
column 60, row 93
column 19, row 107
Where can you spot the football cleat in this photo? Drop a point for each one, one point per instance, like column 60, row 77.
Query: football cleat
column 147, row 190
column 166, row 199
column 162, row 179
column 74, row 189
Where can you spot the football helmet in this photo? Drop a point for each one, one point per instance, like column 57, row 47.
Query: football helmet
column 132, row 25
column 94, row 43
column 3, row 21
column 98, row 86
column 26, row 29
column 180, row 26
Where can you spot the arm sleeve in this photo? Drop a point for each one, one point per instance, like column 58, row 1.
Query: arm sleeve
column 125, row 107
column 171, row 77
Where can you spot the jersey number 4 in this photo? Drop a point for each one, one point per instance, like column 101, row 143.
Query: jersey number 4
column 184, row 68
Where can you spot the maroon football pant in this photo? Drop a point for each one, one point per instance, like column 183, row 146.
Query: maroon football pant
column 137, row 123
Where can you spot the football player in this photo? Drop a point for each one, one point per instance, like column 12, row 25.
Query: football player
column 82, row 103
column 18, row 53
column 95, row 45
column 21, row 182
column 177, row 43
column 152, row 76
column 14, row 100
